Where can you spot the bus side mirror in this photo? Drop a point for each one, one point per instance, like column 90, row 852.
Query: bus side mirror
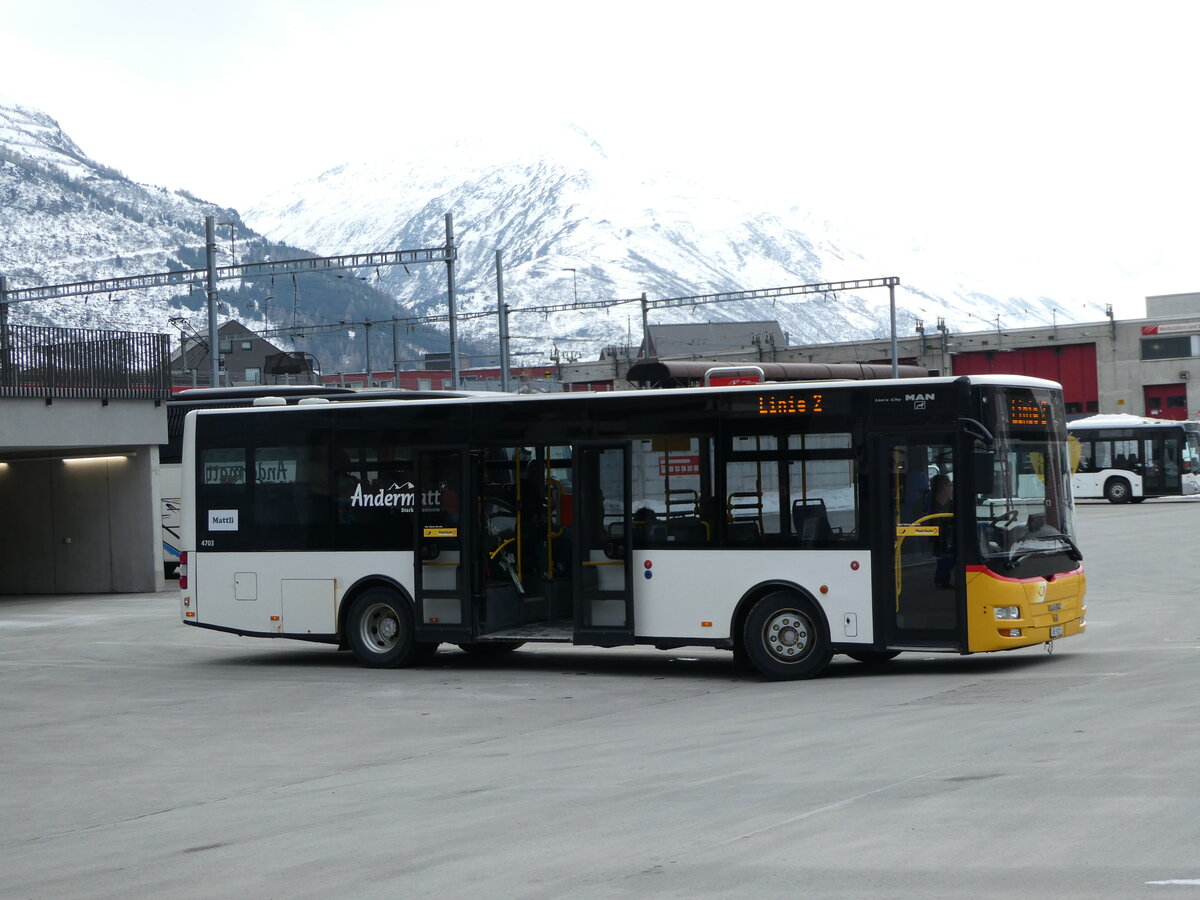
column 983, row 471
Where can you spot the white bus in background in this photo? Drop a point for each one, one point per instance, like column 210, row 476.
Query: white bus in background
column 1125, row 459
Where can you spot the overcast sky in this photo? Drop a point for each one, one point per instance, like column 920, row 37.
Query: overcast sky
column 1055, row 142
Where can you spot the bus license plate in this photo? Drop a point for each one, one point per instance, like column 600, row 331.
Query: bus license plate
column 1056, row 631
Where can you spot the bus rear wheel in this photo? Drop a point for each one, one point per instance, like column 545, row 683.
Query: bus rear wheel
column 1116, row 490
column 379, row 630
column 784, row 637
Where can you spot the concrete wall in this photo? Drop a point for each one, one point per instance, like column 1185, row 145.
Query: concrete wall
column 81, row 527
column 31, row 424
column 1173, row 305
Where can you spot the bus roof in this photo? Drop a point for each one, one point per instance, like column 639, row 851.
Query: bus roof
column 678, row 372
column 250, row 392
column 1124, row 420
column 374, row 395
column 472, row 397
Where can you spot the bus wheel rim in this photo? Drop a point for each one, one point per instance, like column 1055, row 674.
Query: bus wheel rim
column 787, row 635
column 380, row 628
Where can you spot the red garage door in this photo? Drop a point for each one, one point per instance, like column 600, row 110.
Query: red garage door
column 1166, row 401
column 1071, row 365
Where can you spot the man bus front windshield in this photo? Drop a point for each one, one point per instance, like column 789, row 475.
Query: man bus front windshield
column 1026, row 516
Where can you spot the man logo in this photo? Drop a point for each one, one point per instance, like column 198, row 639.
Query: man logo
column 918, row 397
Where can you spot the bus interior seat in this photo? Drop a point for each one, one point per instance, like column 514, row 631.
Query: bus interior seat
column 810, row 520
column 681, row 502
column 743, row 517
column 744, row 504
column 690, row 529
column 742, row 531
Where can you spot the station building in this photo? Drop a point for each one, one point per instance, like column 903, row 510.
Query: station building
column 82, row 416
column 1146, row 367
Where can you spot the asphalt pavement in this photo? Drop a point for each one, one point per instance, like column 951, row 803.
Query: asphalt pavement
column 140, row 758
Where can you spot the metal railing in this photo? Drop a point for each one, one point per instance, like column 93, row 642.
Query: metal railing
column 40, row 361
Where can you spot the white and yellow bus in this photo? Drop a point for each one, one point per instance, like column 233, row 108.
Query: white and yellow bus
column 784, row 522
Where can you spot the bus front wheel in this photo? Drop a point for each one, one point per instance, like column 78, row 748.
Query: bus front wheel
column 784, row 637
column 379, row 629
column 1116, row 490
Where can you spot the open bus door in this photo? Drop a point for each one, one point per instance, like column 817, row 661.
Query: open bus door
column 446, row 573
column 603, row 568
column 920, row 588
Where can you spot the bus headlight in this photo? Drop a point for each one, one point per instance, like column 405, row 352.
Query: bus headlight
column 1007, row 612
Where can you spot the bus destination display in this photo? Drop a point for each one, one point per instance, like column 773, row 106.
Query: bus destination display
column 790, row 404
column 1025, row 411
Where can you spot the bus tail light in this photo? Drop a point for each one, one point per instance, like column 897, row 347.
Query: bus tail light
column 183, row 581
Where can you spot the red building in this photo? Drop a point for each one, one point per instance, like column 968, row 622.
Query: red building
column 1071, row 365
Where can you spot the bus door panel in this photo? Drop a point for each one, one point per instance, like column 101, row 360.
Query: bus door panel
column 1159, row 476
column 920, row 578
column 445, row 570
column 538, row 563
column 603, row 576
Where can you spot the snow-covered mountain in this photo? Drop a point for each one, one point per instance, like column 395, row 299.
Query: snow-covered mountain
column 67, row 218
column 573, row 223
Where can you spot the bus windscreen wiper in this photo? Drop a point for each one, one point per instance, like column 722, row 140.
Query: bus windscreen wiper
column 1073, row 553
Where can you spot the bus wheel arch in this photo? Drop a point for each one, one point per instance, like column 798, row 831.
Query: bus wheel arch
column 1117, row 490
column 782, row 632
column 365, row 584
column 378, row 624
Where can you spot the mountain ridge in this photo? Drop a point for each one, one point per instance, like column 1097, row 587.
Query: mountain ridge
column 596, row 227
column 572, row 223
column 69, row 219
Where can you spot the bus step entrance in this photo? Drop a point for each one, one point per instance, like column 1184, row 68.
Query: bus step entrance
column 534, row 609
column 559, row 630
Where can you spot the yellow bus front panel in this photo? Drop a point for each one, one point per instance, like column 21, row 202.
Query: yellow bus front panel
column 1007, row 613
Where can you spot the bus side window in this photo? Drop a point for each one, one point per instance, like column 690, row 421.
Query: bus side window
column 672, row 488
column 823, row 487
column 222, row 492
